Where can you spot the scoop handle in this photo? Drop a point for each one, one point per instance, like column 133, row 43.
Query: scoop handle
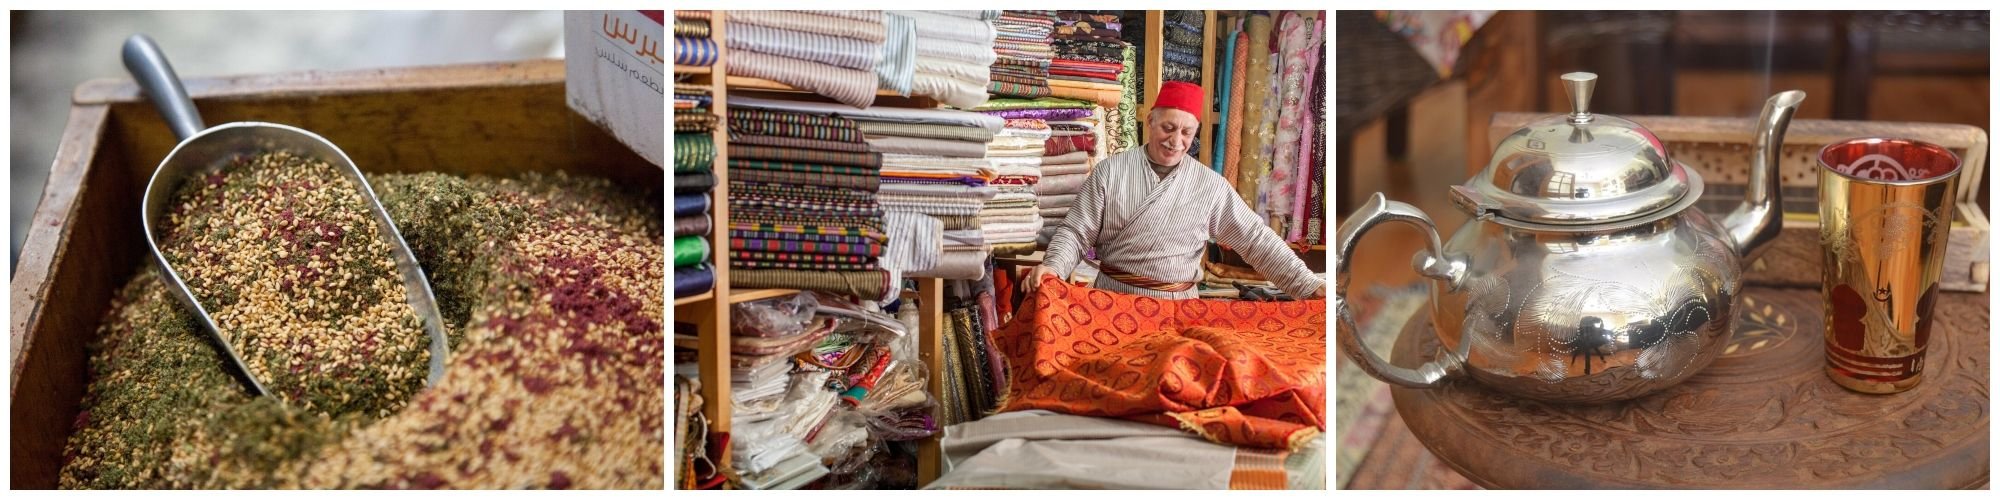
column 156, row 77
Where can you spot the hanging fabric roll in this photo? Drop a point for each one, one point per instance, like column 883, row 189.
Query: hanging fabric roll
column 1232, row 141
column 1217, row 159
column 1258, row 113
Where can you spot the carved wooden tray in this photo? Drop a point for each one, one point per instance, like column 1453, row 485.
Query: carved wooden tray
column 1763, row 416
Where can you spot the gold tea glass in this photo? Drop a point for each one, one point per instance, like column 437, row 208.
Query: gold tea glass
column 1885, row 208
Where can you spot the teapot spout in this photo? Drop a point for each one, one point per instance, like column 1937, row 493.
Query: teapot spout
column 1755, row 222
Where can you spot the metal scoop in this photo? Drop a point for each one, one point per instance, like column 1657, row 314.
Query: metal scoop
column 203, row 150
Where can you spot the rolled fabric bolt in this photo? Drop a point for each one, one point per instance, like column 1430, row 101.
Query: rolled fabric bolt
column 693, row 280
column 855, row 394
column 690, row 250
column 697, row 225
column 690, row 205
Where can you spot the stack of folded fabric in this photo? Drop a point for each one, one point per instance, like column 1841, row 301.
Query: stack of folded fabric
column 1010, row 221
column 1072, row 151
column 1182, row 55
column 954, row 55
column 1022, row 68
column 1089, row 58
column 1071, row 132
column 803, row 212
column 692, row 44
column 831, row 53
column 934, row 177
column 694, row 162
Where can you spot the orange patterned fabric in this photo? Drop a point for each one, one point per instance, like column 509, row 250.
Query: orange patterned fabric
column 1241, row 373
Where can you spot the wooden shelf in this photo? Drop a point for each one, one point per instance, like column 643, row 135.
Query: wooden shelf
column 693, row 70
column 695, row 299
column 739, row 296
column 749, row 83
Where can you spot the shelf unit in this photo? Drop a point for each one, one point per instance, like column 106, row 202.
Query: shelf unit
column 709, row 312
column 1155, row 65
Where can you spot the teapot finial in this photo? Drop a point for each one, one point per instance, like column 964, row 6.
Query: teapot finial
column 1579, row 86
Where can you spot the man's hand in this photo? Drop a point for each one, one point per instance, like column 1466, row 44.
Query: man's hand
column 1034, row 278
column 1321, row 294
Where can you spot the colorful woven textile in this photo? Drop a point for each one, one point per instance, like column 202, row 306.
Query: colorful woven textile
column 799, row 125
column 862, row 182
column 806, row 229
column 795, row 247
column 814, row 168
column 865, row 284
column 748, row 263
column 819, row 238
column 796, row 142
column 1250, row 374
column 778, row 154
column 1232, row 135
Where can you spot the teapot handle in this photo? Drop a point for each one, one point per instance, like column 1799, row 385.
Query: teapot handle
column 1430, row 264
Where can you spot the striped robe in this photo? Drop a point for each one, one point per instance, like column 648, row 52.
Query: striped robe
column 1157, row 227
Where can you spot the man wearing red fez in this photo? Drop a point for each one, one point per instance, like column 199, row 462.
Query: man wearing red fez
column 1149, row 211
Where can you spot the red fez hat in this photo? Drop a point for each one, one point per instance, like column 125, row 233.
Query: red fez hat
column 1183, row 96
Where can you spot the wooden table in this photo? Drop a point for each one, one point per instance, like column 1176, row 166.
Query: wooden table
column 1763, row 416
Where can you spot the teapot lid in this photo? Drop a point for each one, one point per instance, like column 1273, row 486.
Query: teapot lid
column 1578, row 169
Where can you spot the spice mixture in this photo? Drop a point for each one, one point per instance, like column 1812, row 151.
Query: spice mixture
column 284, row 253
column 553, row 289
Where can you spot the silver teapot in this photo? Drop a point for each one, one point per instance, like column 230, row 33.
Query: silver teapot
column 1588, row 274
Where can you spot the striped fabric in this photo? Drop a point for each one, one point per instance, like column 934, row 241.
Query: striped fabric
column 898, row 66
column 690, row 51
column 802, row 192
column 800, row 257
column 864, row 209
column 693, row 122
column 812, row 23
column 792, row 118
column 828, row 49
column 821, row 238
column 867, row 182
column 752, row 152
column 795, row 130
column 812, row 168
column 799, row 267
column 795, row 142
column 852, row 87
column 692, row 14
column 805, row 229
column 873, row 285
column 789, row 246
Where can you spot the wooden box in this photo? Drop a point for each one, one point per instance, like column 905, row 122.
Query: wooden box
column 85, row 240
column 1719, row 150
